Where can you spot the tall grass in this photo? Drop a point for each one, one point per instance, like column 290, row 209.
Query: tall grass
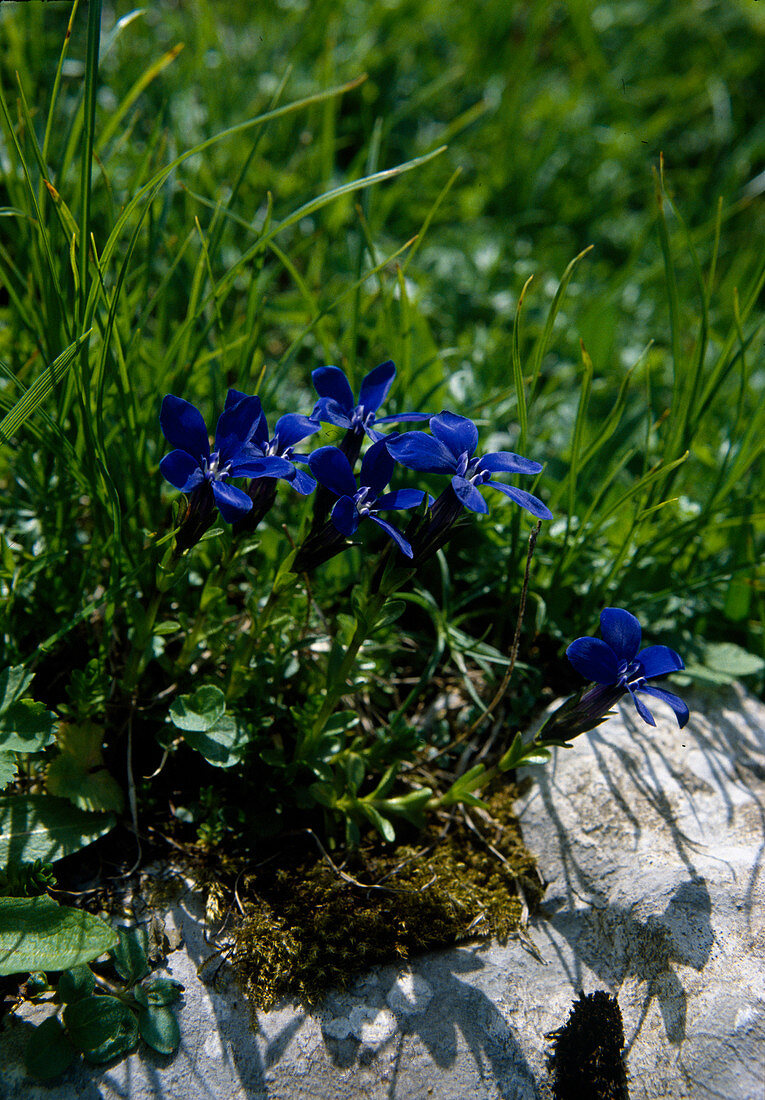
column 246, row 206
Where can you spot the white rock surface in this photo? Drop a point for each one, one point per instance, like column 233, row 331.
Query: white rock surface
column 652, row 843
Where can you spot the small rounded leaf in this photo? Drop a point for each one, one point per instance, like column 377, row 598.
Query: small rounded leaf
column 49, row 1053
column 158, row 993
column 75, row 984
column 101, row 1027
column 159, row 1028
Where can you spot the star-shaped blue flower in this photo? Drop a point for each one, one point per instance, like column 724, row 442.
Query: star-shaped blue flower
column 290, row 429
column 363, row 501
column 614, row 661
column 451, row 450
column 336, row 404
column 192, row 464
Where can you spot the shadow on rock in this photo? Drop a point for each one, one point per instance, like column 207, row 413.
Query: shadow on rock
column 440, row 1015
column 616, row 945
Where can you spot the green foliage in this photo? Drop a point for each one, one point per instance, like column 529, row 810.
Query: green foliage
column 206, row 727
column 37, row 826
column 25, row 726
column 38, row 934
column 78, row 774
column 103, row 1020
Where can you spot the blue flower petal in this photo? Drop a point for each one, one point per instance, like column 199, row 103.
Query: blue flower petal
column 418, row 451
column 469, row 495
column 330, row 411
column 292, row 427
column 395, row 534
column 331, row 382
column 457, row 432
column 330, row 466
column 621, row 631
column 269, row 466
column 183, row 426
column 506, row 462
column 678, row 706
column 376, row 385
column 658, row 660
column 594, row 659
column 302, row 483
column 345, row 517
column 376, row 467
column 402, row 498
column 182, row 470
column 526, row 500
column 402, row 418
column 233, row 397
column 642, row 709
column 236, row 426
column 232, row 502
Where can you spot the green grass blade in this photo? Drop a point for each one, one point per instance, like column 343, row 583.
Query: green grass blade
column 40, row 389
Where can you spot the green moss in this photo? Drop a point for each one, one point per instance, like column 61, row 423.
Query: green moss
column 306, row 929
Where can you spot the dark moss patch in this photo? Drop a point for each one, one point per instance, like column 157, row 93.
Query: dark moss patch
column 308, row 929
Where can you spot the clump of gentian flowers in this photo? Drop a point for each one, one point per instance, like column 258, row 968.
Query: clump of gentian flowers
column 243, row 448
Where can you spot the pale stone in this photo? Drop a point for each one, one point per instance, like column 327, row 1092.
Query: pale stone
column 410, row 994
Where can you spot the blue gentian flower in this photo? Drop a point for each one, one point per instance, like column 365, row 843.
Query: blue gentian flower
column 290, row 429
column 363, row 501
column 616, row 661
column 193, row 468
column 336, row 404
column 451, row 450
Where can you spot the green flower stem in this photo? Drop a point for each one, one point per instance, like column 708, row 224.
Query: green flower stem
column 385, row 580
column 215, row 579
column 336, row 684
column 166, row 573
column 260, row 623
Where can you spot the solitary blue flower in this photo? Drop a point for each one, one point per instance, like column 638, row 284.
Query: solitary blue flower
column 194, row 469
column 336, row 404
column 451, row 450
column 613, row 661
column 364, row 501
column 290, row 429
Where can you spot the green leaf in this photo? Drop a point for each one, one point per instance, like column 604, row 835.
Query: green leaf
column 39, row 826
column 729, row 659
column 26, row 726
column 78, row 773
column 392, row 611
column 8, row 768
column 101, row 1027
column 198, row 712
column 49, row 1053
column 14, row 682
column 383, row 826
column 159, row 1028
column 39, row 934
column 129, row 956
column 354, row 771
column 76, row 983
column 167, row 627
column 411, row 806
column 39, row 390
column 97, row 791
column 222, row 744
column 158, row 993
column 341, row 722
